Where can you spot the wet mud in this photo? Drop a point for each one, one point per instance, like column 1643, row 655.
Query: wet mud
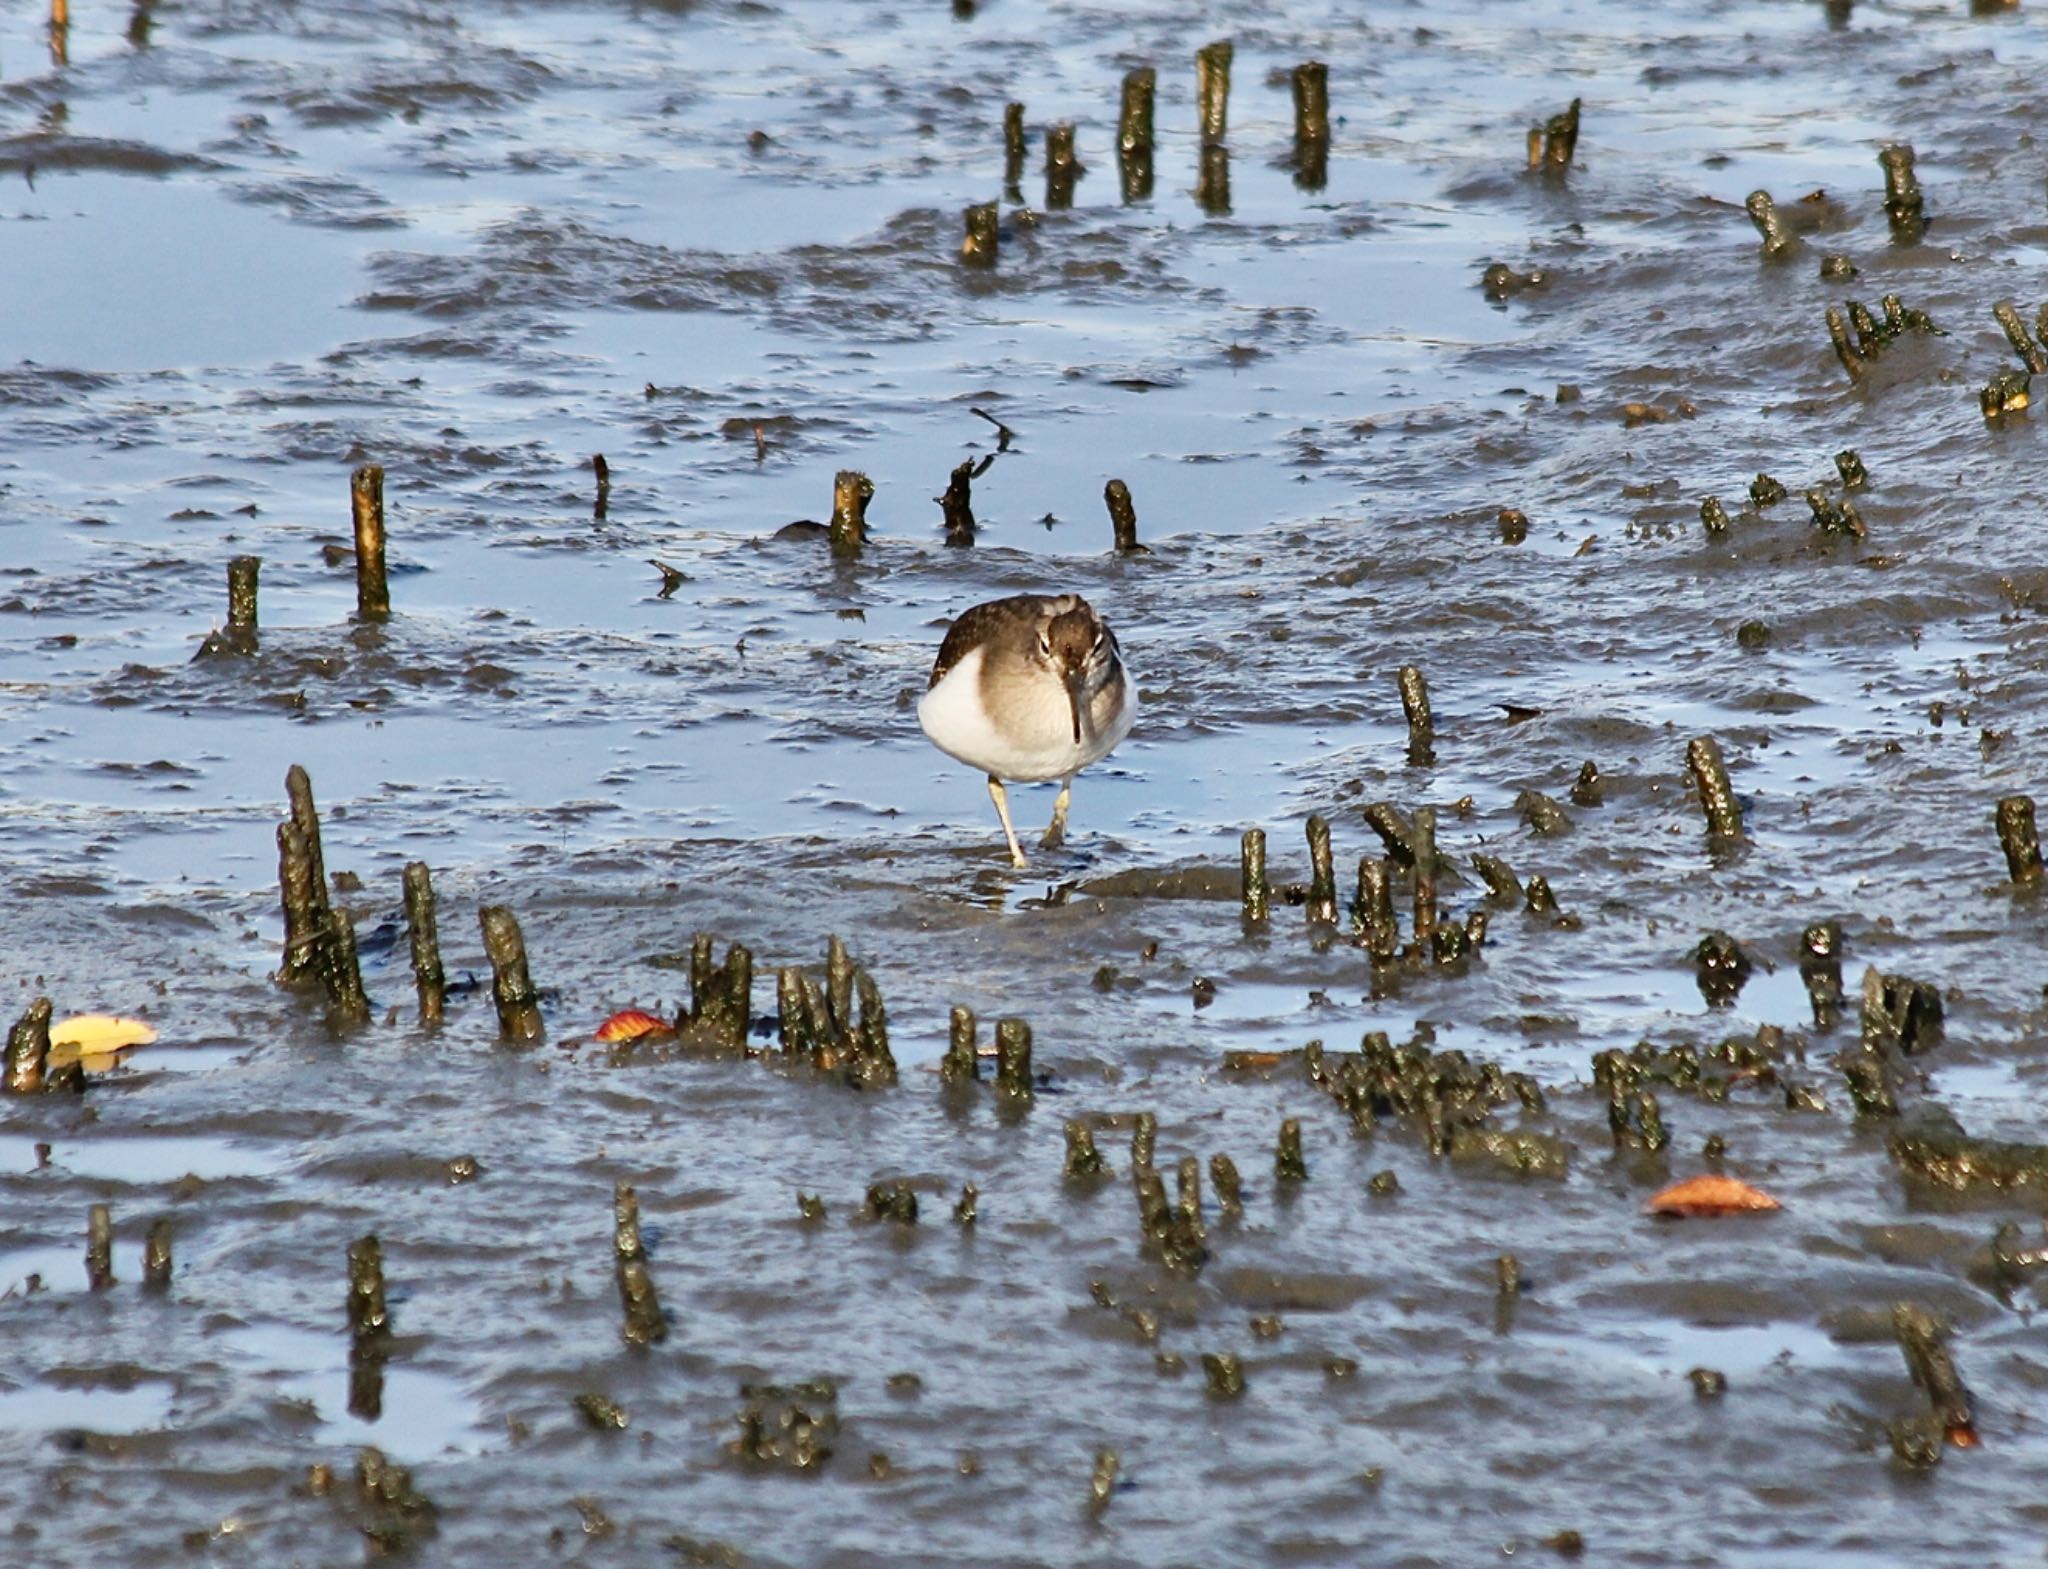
column 1410, row 419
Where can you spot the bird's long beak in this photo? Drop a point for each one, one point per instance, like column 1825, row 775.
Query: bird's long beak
column 1076, row 680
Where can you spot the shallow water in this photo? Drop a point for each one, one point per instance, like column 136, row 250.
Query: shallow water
column 477, row 245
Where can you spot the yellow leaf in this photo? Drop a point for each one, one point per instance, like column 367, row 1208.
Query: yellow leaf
column 94, row 1040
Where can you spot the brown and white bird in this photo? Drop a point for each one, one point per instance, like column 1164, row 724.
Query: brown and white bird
column 1029, row 688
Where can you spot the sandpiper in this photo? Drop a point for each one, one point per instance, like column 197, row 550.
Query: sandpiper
column 1027, row 688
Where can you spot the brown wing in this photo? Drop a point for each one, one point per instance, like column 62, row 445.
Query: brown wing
column 978, row 625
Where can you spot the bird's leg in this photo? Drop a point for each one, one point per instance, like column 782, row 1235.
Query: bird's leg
column 996, row 794
column 1056, row 832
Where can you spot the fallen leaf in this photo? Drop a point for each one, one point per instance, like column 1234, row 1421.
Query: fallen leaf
column 95, row 1040
column 631, row 1024
column 1242, row 1061
column 1709, row 1195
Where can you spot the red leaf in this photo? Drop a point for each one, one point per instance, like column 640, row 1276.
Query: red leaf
column 633, row 1025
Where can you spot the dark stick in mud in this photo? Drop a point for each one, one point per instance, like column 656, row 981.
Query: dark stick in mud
column 1225, row 1374
column 1763, row 212
column 851, row 493
column 1134, row 135
column 1921, row 1340
column 2021, row 340
column 366, row 502
column 978, row 248
column 626, row 1242
column 1013, row 149
column 1717, row 794
column 512, row 989
column 1425, row 877
column 1212, row 90
column 1013, row 1058
column 1134, row 175
column 960, row 1065
column 870, row 1032
column 2006, row 393
column 1062, row 166
column 1904, row 204
column 1311, row 81
column 644, row 1323
column 700, row 975
column 369, row 1319
column 1103, row 1482
column 1372, row 909
column 1004, row 435
column 1083, row 1158
column 298, row 792
column 305, row 913
column 732, row 1014
column 1820, row 968
column 28, row 1049
column 422, row 931
column 1835, row 517
column 792, row 1015
column 1288, row 1164
column 838, row 980
column 1144, row 1134
column 1154, row 1215
column 1845, row 351
column 1421, row 725
column 1257, row 894
column 1187, row 1180
column 341, row 972
column 1123, row 518
column 1134, row 119
column 1395, row 831
column 1553, row 149
column 156, row 1255
column 820, row 1029
column 99, row 1247
column 1500, row 878
column 602, row 471
column 242, row 575
column 1229, row 1185
column 672, row 578
column 1322, row 886
column 2019, row 838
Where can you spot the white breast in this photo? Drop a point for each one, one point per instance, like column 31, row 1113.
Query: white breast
column 1036, row 740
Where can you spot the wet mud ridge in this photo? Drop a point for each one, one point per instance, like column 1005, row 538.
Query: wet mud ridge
column 518, row 1051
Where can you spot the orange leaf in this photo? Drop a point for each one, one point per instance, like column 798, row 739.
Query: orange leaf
column 1709, row 1195
column 633, row 1025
